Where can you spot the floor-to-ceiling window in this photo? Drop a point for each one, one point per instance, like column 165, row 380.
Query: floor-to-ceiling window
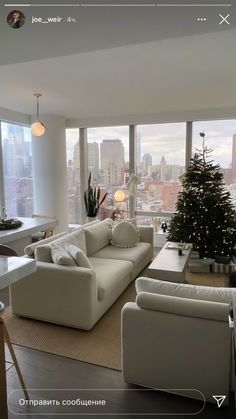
column 17, row 170
column 108, row 162
column 220, row 137
column 160, row 159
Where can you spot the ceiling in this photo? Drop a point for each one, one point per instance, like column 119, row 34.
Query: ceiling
column 117, row 62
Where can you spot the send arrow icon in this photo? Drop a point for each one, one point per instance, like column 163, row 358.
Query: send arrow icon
column 219, row 400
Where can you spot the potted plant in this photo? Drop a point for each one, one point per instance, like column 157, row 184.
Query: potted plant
column 91, row 199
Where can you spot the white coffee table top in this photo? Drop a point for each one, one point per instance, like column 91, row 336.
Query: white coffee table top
column 14, row 268
column 168, row 265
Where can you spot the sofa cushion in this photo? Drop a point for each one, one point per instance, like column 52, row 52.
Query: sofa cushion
column 110, row 274
column 77, row 238
column 217, row 294
column 60, row 256
column 78, row 256
column 29, row 250
column 97, row 236
column 139, row 255
column 43, row 254
column 123, row 234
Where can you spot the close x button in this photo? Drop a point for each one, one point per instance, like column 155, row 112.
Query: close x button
column 224, row 19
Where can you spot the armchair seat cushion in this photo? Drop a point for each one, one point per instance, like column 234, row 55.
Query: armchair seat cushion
column 110, row 274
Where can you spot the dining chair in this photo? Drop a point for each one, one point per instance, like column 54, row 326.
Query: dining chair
column 43, row 234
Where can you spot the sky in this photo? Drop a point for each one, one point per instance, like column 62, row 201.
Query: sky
column 167, row 140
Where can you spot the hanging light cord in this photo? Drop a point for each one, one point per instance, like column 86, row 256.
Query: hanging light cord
column 38, row 95
column 38, row 109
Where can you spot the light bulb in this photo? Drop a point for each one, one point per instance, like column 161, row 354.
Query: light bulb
column 37, row 129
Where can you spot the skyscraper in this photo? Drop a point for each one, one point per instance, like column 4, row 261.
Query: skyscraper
column 163, row 169
column 112, row 162
column 93, row 161
column 147, row 162
column 234, row 159
column 138, row 148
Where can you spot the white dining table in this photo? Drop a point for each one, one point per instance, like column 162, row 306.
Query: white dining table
column 12, row 269
column 19, row 238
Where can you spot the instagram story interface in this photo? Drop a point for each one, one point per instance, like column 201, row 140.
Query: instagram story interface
column 118, row 205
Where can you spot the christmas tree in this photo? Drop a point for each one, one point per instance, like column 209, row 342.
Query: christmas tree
column 204, row 213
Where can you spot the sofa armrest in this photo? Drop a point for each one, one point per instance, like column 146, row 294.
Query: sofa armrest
column 146, row 234
column 183, row 306
column 61, row 294
column 175, row 289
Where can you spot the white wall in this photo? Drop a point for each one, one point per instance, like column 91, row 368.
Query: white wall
column 49, row 171
column 15, row 117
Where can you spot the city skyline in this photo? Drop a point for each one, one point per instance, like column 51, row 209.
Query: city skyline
column 168, row 139
column 160, row 160
column 17, row 169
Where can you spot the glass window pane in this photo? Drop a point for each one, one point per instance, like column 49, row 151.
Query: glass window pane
column 220, row 136
column 160, row 162
column 73, row 174
column 108, row 162
column 17, row 168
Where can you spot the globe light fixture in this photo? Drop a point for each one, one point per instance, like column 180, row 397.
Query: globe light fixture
column 38, row 128
column 119, row 196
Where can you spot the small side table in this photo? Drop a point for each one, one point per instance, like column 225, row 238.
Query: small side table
column 12, row 269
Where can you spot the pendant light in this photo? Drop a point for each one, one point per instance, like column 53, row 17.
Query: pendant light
column 38, row 128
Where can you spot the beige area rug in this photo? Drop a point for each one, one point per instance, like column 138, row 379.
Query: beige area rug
column 100, row 346
column 207, row 279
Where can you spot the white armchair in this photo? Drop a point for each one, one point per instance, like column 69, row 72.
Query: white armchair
column 177, row 336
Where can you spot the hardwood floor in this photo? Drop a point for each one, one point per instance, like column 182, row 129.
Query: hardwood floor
column 58, row 378
column 51, row 377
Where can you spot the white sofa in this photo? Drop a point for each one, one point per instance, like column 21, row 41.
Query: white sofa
column 76, row 296
column 177, row 336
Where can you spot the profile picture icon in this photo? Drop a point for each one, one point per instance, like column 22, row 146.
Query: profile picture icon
column 16, row 19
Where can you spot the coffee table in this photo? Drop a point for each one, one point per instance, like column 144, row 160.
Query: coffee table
column 168, row 265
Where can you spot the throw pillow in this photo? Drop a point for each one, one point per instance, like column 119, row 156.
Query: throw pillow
column 123, row 234
column 76, row 237
column 60, row 256
column 78, row 256
column 30, row 249
column 132, row 221
column 97, row 236
column 43, row 253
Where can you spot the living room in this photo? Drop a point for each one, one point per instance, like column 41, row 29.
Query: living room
column 127, row 93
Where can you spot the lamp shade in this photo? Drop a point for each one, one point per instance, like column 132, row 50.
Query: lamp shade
column 37, row 129
column 119, row 196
